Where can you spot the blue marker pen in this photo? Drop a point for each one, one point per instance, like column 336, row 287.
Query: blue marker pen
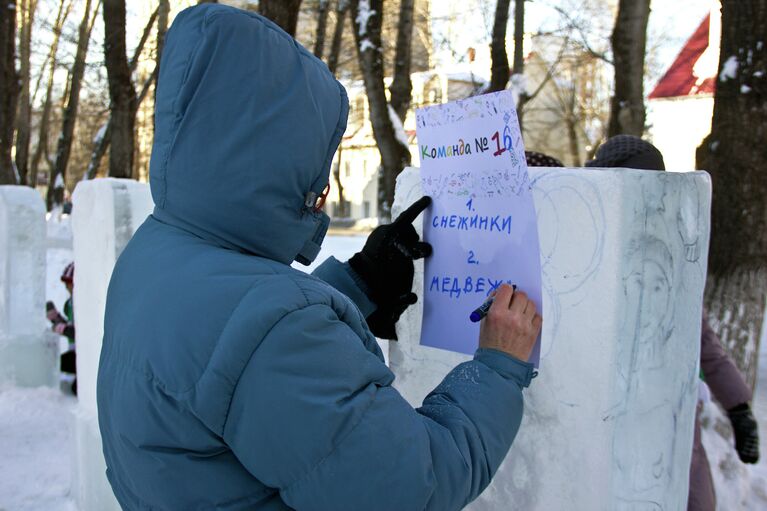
column 481, row 311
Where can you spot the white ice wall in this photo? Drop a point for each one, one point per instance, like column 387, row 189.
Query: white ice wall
column 608, row 422
column 106, row 213
column 28, row 350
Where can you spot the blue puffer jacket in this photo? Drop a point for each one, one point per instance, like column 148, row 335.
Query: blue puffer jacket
column 229, row 380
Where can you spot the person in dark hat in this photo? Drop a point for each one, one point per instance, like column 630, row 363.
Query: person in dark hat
column 627, row 151
column 535, row 159
column 718, row 370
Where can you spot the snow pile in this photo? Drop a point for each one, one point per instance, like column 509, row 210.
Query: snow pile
column 364, row 13
column 399, row 131
column 100, row 134
column 35, row 442
column 340, row 247
column 518, row 87
column 729, row 69
column 366, row 45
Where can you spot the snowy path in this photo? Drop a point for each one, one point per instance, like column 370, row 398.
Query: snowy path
column 36, row 443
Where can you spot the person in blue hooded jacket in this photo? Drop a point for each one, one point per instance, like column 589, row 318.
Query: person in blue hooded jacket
column 229, row 380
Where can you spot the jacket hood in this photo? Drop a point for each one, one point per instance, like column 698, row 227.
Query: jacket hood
column 247, row 123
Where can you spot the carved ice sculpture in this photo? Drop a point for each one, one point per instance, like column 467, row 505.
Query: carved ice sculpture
column 28, row 350
column 609, row 420
column 105, row 215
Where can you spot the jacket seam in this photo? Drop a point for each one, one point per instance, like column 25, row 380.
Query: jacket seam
column 178, row 118
column 322, row 460
column 250, row 358
column 341, row 441
column 177, row 393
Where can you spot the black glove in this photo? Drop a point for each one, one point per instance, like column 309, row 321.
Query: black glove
column 746, row 432
column 385, row 264
column 53, row 315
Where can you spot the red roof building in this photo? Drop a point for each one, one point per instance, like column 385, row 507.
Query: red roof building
column 681, row 105
column 683, row 77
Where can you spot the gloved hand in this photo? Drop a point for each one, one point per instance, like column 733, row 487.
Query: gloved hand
column 385, row 265
column 53, row 314
column 746, row 432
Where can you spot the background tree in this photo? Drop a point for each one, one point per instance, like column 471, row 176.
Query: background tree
column 24, row 119
column 499, row 76
column 735, row 154
column 387, row 127
column 55, row 195
column 518, row 67
column 342, row 7
column 323, row 8
column 401, row 88
column 103, row 139
column 121, row 91
column 629, row 43
column 9, row 90
column 282, row 12
column 65, row 7
column 163, row 11
column 347, row 63
column 518, row 80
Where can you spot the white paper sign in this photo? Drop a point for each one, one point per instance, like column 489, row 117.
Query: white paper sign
column 482, row 222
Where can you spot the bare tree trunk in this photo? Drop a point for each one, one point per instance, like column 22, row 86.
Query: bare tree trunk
column 401, row 88
column 282, row 12
column 163, row 11
column 24, row 121
column 518, row 70
column 337, row 175
column 9, row 90
column 65, row 8
column 322, row 27
column 55, row 196
column 499, row 76
column 519, row 37
column 395, row 154
column 121, row 90
column 735, row 154
column 629, row 41
column 571, row 121
column 162, row 29
column 104, row 138
column 342, row 7
column 335, row 50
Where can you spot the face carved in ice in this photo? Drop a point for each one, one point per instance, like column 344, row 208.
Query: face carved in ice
column 648, row 289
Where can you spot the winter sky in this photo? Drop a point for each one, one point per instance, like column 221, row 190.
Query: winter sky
column 671, row 24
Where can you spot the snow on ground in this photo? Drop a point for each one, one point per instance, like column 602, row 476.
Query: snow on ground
column 738, row 486
column 36, row 425
column 341, row 247
column 36, row 441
